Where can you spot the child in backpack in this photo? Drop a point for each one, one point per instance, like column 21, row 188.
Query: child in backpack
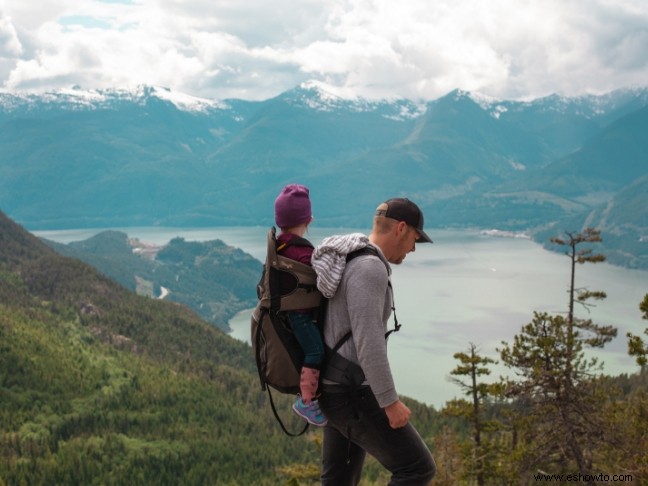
column 293, row 215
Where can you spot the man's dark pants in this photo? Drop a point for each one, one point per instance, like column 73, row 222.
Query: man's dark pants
column 356, row 426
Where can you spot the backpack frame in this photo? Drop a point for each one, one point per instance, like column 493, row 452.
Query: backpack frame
column 278, row 355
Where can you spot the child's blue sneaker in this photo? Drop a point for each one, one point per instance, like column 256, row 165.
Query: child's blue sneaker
column 310, row 412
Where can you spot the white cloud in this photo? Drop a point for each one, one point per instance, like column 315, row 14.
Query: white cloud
column 259, row 48
column 10, row 46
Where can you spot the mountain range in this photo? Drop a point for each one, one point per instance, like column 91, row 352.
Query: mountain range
column 145, row 157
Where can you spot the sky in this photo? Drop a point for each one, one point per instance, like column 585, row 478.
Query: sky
column 257, row 49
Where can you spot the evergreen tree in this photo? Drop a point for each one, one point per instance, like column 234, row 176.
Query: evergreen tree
column 448, row 456
column 473, row 367
column 555, row 379
column 636, row 346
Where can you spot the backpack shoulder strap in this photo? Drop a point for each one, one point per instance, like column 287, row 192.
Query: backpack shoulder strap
column 294, row 241
column 340, row 369
column 370, row 250
column 367, row 250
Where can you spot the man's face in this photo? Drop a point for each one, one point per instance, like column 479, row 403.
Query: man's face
column 406, row 242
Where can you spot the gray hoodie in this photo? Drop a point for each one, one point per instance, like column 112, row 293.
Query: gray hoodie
column 362, row 304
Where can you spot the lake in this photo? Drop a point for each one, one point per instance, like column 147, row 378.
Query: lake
column 465, row 288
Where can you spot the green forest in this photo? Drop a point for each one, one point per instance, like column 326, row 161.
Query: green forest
column 101, row 386
column 213, row 279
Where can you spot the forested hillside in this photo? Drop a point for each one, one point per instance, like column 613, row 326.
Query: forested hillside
column 101, row 386
column 213, row 279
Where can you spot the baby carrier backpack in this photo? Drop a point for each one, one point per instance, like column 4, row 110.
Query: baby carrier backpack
column 278, row 355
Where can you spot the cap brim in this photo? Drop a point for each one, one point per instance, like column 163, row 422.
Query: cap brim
column 423, row 237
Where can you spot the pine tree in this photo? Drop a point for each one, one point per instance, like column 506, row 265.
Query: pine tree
column 447, row 455
column 473, row 367
column 636, row 346
column 556, row 380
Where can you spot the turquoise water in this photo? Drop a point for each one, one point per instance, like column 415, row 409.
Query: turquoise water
column 466, row 287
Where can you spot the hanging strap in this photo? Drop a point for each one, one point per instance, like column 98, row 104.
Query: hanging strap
column 283, row 427
column 267, row 387
column 397, row 325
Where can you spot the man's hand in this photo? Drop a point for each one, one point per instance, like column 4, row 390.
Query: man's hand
column 398, row 414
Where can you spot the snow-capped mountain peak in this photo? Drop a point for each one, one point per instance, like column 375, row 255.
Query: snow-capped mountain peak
column 319, row 96
column 76, row 98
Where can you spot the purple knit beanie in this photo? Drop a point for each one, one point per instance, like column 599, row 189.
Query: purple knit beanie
column 292, row 206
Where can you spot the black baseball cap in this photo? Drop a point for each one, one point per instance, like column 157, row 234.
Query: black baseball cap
column 402, row 209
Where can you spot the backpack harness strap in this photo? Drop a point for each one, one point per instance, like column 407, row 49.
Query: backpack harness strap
column 338, row 368
column 368, row 250
column 298, row 241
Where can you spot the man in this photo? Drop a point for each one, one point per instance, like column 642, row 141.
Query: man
column 359, row 398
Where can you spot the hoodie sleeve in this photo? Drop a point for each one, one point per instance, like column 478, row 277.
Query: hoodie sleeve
column 369, row 307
